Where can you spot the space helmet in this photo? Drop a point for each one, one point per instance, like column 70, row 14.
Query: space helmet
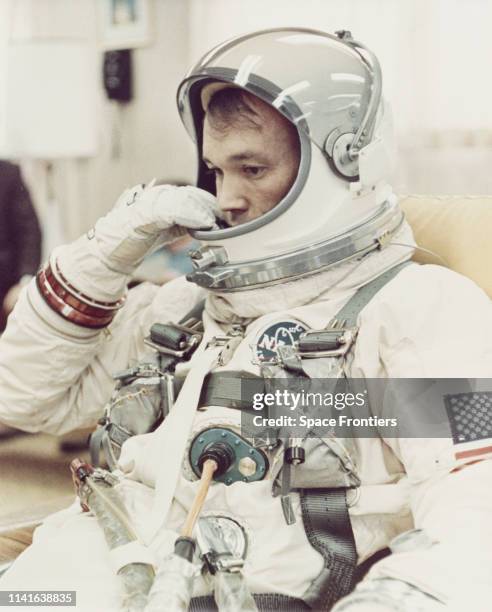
column 340, row 205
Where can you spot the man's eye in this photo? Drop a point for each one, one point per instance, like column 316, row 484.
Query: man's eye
column 254, row 171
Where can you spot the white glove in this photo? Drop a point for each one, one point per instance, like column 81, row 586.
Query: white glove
column 99, row 264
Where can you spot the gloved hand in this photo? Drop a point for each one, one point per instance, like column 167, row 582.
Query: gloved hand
column 99, row 264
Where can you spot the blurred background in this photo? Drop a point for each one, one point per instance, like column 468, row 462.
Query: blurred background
column 57, row 121
column 87, row 108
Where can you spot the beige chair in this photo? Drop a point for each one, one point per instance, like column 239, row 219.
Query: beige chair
column 457, row 228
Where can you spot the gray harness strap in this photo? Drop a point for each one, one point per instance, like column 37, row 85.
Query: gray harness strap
column 266, row 602
column 329, row 531
column 324, row 511
column 226, row 389
column 95, row 444
column 364, row 295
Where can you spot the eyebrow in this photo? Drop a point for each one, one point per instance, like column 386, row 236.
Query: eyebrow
column 246, row 156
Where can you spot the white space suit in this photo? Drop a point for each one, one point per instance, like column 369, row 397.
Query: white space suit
column 56, row 375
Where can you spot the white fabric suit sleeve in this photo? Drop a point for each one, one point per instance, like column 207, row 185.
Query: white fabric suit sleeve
column 56, row 376
column 440, row 328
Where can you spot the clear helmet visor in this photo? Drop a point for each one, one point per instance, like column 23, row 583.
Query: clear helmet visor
column 317, row 81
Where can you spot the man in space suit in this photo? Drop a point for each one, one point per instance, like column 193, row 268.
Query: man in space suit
column 295, row 217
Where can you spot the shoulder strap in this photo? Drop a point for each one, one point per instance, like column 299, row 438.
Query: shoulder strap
column 339, row 335
column 364, row 295
column 224, row 388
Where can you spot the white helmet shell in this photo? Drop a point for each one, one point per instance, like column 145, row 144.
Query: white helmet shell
column 340, row 204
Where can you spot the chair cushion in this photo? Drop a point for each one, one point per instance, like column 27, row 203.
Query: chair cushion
column 458, row 228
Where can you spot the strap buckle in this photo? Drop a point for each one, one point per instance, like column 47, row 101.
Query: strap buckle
column 141, row 370
column 333, row 341
column 167, row 339
column 220, row 340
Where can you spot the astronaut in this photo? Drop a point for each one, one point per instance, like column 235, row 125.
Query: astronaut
column 296, row 220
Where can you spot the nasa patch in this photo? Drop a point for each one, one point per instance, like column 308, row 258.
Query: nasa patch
column 275, row 335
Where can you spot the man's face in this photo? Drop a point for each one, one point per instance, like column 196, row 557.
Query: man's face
column 254, row 166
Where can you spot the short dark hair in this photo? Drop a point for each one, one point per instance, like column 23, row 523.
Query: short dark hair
column 231, row 107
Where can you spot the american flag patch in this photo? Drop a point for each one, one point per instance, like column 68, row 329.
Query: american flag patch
column 470, row 419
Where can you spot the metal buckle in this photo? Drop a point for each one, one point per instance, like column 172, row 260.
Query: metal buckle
column 142, row 370
column 217, row 341
column 335, row 334
column 102, row 475
column 193, row 340
column 237, row 331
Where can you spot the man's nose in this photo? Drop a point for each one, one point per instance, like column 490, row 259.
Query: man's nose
column 230, row 196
